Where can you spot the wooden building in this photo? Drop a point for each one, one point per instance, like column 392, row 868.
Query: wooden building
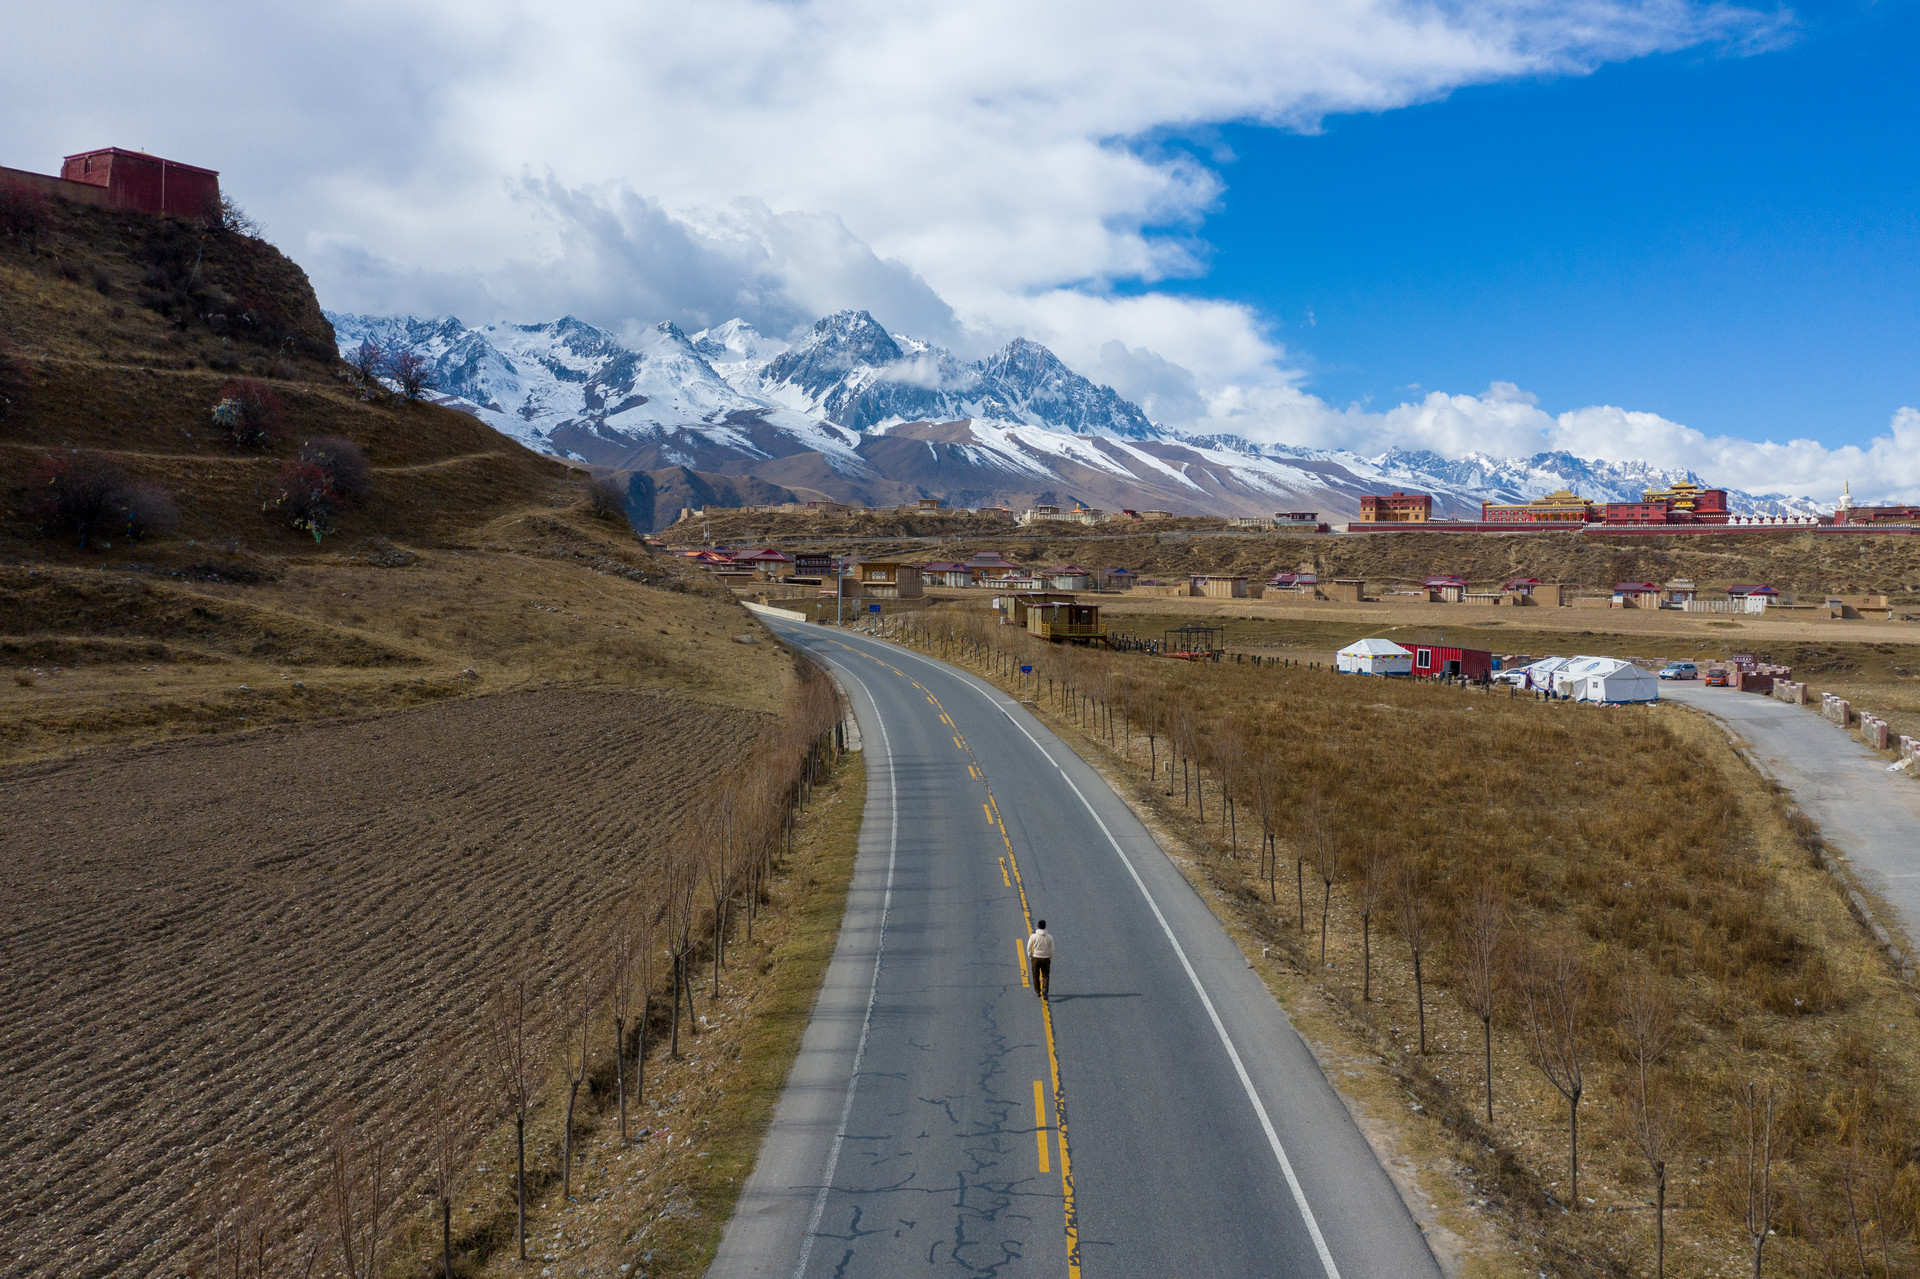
column 1065, row 621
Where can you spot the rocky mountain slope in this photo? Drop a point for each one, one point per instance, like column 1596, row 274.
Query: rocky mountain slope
column 853, row 412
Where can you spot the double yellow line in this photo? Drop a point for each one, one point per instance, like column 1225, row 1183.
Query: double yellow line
column 991, row 808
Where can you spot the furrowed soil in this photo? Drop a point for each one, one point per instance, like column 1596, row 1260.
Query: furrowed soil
column 207, row 940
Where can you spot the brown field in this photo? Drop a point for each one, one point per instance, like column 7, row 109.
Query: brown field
column 206, row 941
column 1631, row 839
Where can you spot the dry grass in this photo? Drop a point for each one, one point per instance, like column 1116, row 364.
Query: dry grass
column 1640, row 838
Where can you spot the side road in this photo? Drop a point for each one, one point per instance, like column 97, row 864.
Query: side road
column 1867, row 814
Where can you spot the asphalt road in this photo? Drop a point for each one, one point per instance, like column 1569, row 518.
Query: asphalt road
column 1157, row 1117
column 1863, row 811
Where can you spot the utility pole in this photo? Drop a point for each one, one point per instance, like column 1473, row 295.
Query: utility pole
column 839, row 591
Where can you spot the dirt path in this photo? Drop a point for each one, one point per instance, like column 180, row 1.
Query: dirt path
column 1871, row 816
column 204, row 943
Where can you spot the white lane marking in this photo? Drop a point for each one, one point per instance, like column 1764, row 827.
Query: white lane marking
column 1219, row 1027
column 873, row 990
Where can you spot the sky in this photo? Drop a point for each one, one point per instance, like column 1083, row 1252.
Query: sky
column 1678, row 232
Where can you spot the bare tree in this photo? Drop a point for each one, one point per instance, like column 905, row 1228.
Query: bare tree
column 1555, row 987
column 1308, row 830
column 1326, row 856
column 249, row 1232
column 1413, row 912
column 573, row 1051
column 606, row 497
column 630, row 973
column 1266, row 787
column 1481, row 938
column 513, row 1053
column 1376, row 873
column 1646, row 1022
column 1229, row 758
column 449, row 1132
column 360, row 1190
column 365, row 362
column 410, row 371
column 1756, row 1166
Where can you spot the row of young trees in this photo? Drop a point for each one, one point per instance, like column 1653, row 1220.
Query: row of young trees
column 1457, row 913
column 552, row 1030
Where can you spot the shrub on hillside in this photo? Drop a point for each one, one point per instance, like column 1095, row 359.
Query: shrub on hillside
column 344, row 462
column 364, row 364
column 24, row 213
column 606, row 498
column 409, row 371
column 304, row 497
column 248, row 413
column 74, row 493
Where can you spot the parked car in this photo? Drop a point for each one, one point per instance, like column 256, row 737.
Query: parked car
column 1679, row 670
column 1718, row 677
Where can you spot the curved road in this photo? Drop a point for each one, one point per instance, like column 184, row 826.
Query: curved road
column 1157, row 1117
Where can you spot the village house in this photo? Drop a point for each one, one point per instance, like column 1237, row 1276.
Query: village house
column 114, row 178
column 1297, row 583
column 1116, row 579
column 945, row 573
column 1681, row 591
column 1069, row 577
column 768, row 560
column 1637, row 594
column 1065, row 620
column 1220, row 586
column 983, row 564
column 1447, row 590
column 1396, row 508
column 887, row 580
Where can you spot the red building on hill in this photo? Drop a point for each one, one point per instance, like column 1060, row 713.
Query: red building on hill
column 133, row 180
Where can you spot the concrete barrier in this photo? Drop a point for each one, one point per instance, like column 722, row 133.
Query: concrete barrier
column 1790, row 691
column 766, row 611
column 1909, row 746
column 1837, row 709
column 1873, row 730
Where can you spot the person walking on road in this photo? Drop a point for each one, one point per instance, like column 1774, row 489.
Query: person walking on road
column 1040, row 958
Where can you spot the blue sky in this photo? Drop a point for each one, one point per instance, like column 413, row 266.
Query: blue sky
column 1729, row 241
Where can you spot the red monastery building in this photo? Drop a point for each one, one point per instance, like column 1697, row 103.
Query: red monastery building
column 132, row 180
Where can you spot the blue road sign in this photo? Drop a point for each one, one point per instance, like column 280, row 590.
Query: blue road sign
column 1026, row 670
column 873, row 608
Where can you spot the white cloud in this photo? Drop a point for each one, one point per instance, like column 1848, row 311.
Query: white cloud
column 968, row 172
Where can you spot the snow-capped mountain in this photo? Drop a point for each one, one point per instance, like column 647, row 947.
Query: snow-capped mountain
column 851, row 411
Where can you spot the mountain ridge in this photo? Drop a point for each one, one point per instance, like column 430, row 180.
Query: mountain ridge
column 855, row 412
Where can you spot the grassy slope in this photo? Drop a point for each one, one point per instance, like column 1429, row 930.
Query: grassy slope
column 471, row 565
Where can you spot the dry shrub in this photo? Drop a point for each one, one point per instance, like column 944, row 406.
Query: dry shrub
column 248, row 413
column 23, row 212
column 145, row 509
column 606, row 498
column 303, row 496
column 76, row 494
column 344, row 462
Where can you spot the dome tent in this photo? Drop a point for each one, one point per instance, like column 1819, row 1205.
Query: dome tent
column 1609, row 680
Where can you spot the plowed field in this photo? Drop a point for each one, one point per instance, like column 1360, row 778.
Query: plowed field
column 202, row 943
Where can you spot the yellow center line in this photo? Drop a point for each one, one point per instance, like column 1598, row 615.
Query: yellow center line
column 988, row 812
column 957, row 742
column 1020, row 962
column 1006, row 881
column 1040, row 1123
column 1059, row 1095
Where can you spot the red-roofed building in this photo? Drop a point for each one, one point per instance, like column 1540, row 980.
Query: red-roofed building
column 1449, row 589
column 1069, row 577
column 147, row 183
column 945, row 573
column 1638, row 594
column 776, row 563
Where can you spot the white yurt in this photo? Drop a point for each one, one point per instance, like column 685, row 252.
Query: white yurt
column 1374, row 657
column 1606, row 679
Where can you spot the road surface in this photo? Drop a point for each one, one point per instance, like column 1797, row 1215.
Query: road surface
column 1862, row 810
column 1157, row 1117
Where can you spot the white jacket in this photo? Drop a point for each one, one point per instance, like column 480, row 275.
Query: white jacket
column 1040, row 945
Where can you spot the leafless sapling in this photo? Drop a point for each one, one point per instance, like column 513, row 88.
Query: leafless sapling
column 573, row 1052
column 1647, row 1027
column 1326, row 856
column 360, row 1190
column 1756, row 1153
column 1554, row 986
column 1376, row 874
column 1414, row 913
column 410, row 371
column 513, row 1055
column 450, row 1132
column 1481, row 940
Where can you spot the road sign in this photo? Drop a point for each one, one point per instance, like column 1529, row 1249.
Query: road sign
column 873, row 608
column 1026, row 670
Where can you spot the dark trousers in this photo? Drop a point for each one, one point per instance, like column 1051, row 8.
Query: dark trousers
column 1042, row 975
